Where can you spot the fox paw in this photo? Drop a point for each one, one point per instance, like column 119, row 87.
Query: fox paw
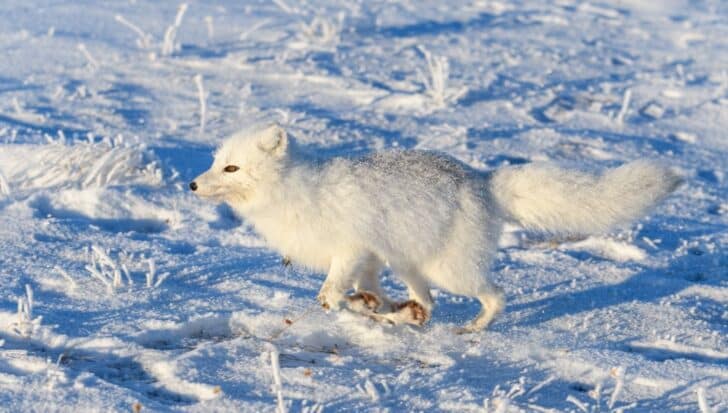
column 411, row 312
column 329, row 300
column 364, row 302
column 322, row 300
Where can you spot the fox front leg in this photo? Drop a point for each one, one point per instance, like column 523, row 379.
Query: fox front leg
column 341, row 278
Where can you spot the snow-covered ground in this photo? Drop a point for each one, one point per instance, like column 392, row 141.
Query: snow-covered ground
column 121, row 291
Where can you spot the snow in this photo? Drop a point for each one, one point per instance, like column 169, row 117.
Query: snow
column 607, row 248
column 121, row 291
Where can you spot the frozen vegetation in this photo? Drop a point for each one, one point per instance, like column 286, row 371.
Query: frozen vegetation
column 121, row 291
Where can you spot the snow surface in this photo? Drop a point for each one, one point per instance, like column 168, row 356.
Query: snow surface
column 121, row 291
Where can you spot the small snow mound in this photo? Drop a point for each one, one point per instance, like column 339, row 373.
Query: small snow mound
column 170, row 336
column 109, row 209
column 80, row 165
column 662, row 349
column 607, row 248
column 166, row 372
column 317, row 339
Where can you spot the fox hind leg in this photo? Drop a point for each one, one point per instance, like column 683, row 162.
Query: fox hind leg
column 492, row 301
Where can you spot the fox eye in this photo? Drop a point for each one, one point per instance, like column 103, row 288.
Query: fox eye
column 231, row 168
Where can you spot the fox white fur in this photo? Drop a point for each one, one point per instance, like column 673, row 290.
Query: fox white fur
column 428, row 217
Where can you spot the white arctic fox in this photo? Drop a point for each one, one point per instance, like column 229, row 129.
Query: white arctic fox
column 431, row 219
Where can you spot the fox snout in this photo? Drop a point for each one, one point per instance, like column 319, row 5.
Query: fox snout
column 201, row 184
column 208, row 185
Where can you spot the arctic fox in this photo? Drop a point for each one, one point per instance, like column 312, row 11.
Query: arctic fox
column 428, row 217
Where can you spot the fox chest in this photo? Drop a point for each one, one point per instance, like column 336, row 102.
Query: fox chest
column 303, row 241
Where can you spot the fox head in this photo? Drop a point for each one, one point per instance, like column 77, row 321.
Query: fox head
column 245, row 164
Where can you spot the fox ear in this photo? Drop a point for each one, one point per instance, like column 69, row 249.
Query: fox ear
column 273, row 140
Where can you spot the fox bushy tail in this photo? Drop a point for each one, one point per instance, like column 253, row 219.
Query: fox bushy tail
column 550, row 199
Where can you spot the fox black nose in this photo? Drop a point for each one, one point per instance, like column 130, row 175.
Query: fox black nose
column 193, row 186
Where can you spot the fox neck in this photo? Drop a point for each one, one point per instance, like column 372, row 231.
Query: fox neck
column 282, row 195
